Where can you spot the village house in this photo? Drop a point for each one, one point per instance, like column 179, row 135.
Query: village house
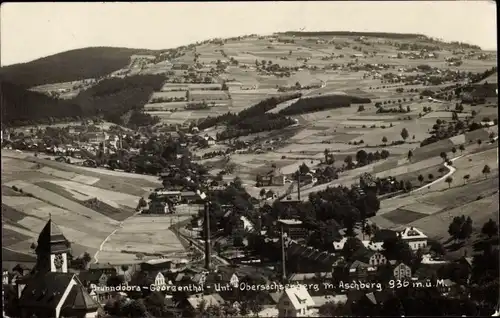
column 295, row 302
column 272, row 178
column 310, row 278
column 195, row 302
column 245, row 224
column 163, row 265
column 209, row 141
column 370, row 257
column 447, row 286
column 159, row 207
column 159, row 281
column 402, row 272
column 293, row 229
column 414, row 237
column 105, row 268
column 305, row 259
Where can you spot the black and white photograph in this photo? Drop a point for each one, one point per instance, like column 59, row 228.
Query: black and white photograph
column 249, row 159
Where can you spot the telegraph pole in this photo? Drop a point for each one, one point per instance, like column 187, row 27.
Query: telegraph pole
column 207, row 237
column 283, row 256
column 298, row 186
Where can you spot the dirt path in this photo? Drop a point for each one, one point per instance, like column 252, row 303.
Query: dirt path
column 452, row 171
column 120, row 225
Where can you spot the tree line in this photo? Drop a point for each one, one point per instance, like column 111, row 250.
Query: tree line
column 322, row 102
column 110, row 98
column 256, row 110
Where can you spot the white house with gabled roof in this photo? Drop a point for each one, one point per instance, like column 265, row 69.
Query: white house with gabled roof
column 295, row 302
column 414, row 237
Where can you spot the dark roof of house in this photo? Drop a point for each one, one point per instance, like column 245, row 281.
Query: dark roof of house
column 91, row 276
column 102, row 266
column 382, row 235
column 357, row 264
column 427, row 270
column 363, row 254
column 79, row 299
column 378, row 297
column 51, row 239
column 45, row 290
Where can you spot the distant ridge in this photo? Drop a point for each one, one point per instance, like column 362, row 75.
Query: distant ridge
column 354, row 33
column 69, row 66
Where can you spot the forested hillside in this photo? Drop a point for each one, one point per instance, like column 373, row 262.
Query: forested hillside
column 91, row 62
column 21, row 107
column 110, row 98
column 114, row 97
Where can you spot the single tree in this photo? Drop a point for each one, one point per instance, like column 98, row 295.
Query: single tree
column 351, row 245
column 410, row 155
column 404, row 134
column 443, row 155
column 455, row 227
column 461, row 148
column 479, row 142
column 466, row 178
column 262, row 192
column 420, row 178
column 486, row 171
column 466, row 229
column 449, row 180
column 326, row 153
column 490, row 228
column 437, row 247
column 384, row 139
column 430, row 176
column 454, row 150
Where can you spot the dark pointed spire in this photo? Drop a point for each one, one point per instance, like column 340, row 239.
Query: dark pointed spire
column 51, row 239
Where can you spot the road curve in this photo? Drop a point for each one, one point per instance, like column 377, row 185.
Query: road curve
column 452, row 171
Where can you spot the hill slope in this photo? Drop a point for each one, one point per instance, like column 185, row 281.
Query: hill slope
column 92, row 62
column 23, row 106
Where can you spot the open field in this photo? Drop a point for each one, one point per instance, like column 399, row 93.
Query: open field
column 167, row 94
column 199, row 95
column 150, row 236
column 63, row 192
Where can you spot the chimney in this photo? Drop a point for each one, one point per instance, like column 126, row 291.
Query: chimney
column 283, row 256
column 298, row 187
column 207, row 237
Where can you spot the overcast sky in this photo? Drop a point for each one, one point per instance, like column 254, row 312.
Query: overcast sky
column 33, row 30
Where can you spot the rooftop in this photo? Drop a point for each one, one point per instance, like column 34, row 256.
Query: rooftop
column 299, row 297
column 52, row 238
column 290, row 221
column 412, row 233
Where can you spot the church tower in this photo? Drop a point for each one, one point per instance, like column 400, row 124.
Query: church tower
column 52, row 250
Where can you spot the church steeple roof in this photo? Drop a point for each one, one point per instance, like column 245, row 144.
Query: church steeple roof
column 51, row 239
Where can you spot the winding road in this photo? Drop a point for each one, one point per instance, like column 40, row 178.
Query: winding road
column 452, row 171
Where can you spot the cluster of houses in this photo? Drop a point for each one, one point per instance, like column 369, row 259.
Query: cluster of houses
column 77, row 292
column 165, row 201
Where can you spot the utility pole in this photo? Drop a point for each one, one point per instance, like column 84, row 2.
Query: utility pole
column 207, row 236
column 298, row 186
column 283, row 256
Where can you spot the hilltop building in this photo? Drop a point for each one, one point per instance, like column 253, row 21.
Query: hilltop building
column 49, row 290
